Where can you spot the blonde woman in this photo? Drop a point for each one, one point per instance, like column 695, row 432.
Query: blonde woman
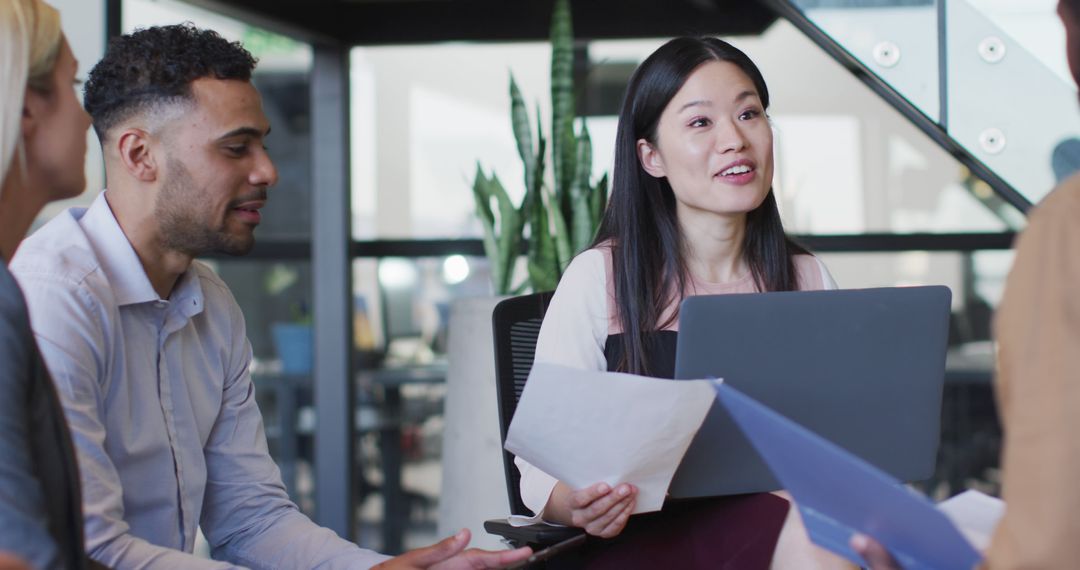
column 42, row 147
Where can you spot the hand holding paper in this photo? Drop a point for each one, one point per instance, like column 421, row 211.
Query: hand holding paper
column 600, row 509
column 839, row 494
column 975, row 515
column 584, row 427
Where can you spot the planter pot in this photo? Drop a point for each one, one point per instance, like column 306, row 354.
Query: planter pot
column 294, row 347
column 473, row 485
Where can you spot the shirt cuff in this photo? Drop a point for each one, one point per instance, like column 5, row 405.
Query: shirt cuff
column 536, row 486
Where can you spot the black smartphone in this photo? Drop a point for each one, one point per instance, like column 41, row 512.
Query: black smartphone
column 551, row 551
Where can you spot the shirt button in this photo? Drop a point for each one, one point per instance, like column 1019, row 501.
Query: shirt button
column 159, row 304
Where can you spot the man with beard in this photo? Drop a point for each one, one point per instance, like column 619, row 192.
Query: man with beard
column 148, row 347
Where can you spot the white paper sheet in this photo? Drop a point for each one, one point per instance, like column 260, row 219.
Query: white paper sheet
column 584, row 427
column 975, row 514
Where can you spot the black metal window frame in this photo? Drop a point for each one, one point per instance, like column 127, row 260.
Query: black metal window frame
column 820, row 243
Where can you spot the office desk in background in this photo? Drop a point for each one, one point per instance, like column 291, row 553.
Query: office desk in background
column 397, row 502
column 286, row 402
column 970, row 430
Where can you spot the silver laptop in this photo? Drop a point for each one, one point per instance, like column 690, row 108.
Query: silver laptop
column 863, row 368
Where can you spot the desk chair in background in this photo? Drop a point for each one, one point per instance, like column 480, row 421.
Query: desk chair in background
column 516, row 323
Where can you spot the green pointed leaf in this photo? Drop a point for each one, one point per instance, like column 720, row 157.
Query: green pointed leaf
column 559, row 213
column 564, row 248
column 598, row 199
column 541, row 152
column 534, row 191
column 584, row 154
column 568, row 168
column 509, row 238
column 482, row 196
column 562, row 101
column 507, row 211
column 519, row 117
column 542, row 274
column 583, row 223
column 543, row 259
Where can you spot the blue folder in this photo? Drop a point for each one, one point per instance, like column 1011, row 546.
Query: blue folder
column 838, row 494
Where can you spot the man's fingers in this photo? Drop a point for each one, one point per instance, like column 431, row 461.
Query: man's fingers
column 507, row 557
column 874, row 553
column 442, row 550
column 496, row 559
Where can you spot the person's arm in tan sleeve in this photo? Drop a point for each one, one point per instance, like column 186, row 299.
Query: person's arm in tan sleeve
column 12, row 562
column 1038, row 392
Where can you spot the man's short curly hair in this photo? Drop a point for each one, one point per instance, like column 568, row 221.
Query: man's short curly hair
column 155, row 66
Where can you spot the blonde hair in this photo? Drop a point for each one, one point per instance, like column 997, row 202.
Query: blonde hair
column 30, row 40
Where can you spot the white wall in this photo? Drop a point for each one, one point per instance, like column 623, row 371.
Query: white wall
column 83, row 22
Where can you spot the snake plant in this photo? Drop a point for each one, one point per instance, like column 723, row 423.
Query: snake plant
column 560, row 213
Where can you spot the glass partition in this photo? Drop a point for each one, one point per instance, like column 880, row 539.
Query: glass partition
column 846, row 162
column 990, row 74
column 1006, row 106
column 897, row 40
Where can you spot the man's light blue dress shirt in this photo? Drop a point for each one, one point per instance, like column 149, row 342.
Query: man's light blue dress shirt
column 162, row 408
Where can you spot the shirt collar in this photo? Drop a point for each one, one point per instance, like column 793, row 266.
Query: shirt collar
column 121, row 264
column 187, row 294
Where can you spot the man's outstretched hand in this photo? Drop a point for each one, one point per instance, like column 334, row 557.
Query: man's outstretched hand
column 450, row 554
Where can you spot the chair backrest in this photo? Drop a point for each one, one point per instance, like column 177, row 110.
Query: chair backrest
column 516, row 323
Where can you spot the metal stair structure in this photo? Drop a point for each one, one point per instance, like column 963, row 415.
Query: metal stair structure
column 984, row 79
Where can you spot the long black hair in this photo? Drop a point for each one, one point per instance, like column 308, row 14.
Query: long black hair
column 640, row 224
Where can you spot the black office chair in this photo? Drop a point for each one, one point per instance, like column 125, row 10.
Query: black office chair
column 516, row 322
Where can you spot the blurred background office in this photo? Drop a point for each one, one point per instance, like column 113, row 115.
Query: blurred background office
column 906, row 149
